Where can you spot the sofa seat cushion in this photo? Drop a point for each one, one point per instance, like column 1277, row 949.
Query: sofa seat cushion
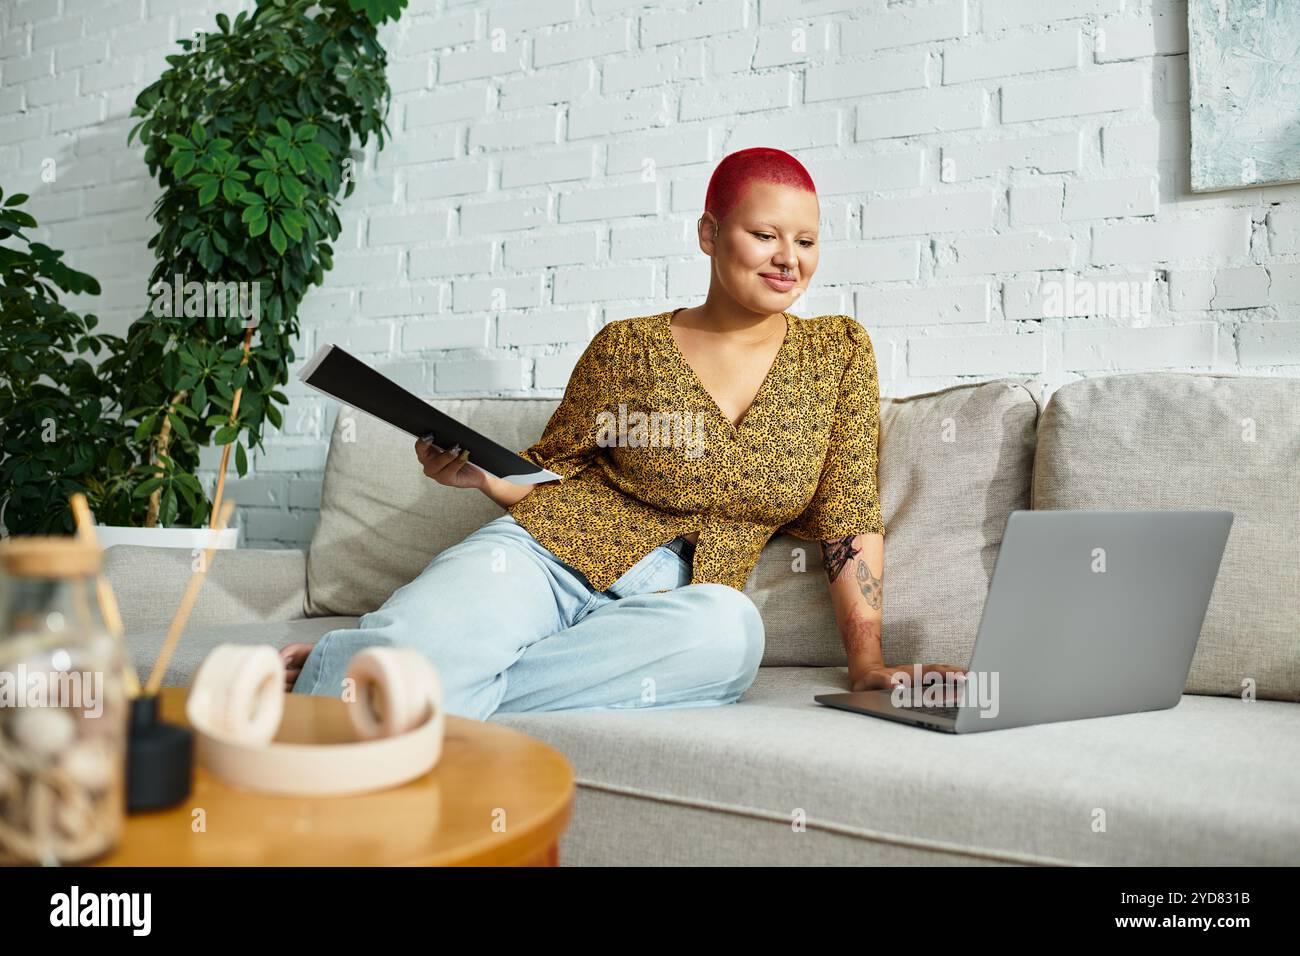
column 1211, row 781
column 197, row 642
column 1178, row 440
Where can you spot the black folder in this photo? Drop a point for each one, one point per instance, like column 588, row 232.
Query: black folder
column 350, row 380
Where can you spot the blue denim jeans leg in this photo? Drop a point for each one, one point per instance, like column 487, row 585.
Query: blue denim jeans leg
column 510, row 627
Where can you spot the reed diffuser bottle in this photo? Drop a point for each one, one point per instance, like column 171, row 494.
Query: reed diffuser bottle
column 63, row 707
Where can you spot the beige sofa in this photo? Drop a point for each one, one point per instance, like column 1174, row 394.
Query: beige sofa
column 780, row 779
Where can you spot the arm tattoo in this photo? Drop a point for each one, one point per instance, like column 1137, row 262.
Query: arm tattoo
column 872, row 587
column 862, row 638
column 836, row 553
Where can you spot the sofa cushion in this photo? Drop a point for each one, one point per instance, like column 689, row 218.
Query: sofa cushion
column 243, row 586
column 1174, row 440
column 953, row 465
column 382, row 521
column 722, row 785
column 198, row 642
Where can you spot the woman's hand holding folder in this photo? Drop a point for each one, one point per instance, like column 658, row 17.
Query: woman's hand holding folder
column 449, row 466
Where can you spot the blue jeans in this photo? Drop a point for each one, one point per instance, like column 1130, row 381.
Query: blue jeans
column 511, row 627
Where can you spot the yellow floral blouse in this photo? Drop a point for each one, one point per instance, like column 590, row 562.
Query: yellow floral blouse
column 646, row 454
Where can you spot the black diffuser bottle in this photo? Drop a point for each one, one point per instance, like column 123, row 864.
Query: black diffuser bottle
column 159, row 759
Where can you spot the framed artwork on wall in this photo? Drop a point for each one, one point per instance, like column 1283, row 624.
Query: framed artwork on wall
column 1244, row 73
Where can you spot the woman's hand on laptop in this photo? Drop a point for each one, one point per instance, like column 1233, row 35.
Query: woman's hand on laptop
column 884, row 677
column 450, row 467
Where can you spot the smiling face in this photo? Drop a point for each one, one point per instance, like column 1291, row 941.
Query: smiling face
column 771, row 226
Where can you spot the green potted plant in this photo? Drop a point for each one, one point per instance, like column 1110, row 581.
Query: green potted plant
column 250, row 133
column 63, row 429
column 61, row 433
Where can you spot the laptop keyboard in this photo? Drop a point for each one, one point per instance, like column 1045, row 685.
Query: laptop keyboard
column 932, row 711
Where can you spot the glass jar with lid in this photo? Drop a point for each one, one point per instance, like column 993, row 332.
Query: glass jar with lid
column 63, row 707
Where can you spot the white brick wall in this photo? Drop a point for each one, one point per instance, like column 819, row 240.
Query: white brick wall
column 549, row 159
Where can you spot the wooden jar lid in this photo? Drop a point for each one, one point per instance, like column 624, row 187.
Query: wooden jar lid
column 48, row 557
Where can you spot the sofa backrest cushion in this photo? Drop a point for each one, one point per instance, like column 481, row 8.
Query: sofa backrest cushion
column 381, row 520
column 953, row 465
column 1175, row 440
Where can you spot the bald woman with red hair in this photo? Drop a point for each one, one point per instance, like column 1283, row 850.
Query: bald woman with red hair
column 684, row 441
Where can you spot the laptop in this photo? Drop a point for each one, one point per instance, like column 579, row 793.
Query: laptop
column 1089, row 614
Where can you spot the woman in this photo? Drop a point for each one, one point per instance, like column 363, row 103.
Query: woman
column 620, row 585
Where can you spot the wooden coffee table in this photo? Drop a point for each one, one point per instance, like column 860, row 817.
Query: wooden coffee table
column 497, row 797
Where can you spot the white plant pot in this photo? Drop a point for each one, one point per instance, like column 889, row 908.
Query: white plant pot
column 188, row 538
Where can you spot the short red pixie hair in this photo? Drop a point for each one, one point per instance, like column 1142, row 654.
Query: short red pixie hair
column 760, row 164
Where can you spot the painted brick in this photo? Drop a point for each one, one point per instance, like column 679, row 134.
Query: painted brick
column 480, row 375
column 705, row 19
column 1123, row 296
column 1284, row 283
column 976, row 355
column 1241, row 288
column 1269, row 343
column 504, row 215
column 450, row 259
column 869, row 262
column 1125, row 39
column 917, row 215
column 1102, row 91
column 1284, row 231
column 747, row 94
column 1018, row 13
column 1224, row 234
column 1151, row 347
column 933, row 112
column 1191, row 290
column 610, row 202
column 1059, row 50
column 440, row 332
column 1047, row 154
column 503, row 292
column 1110, row 199
column 884, row 74
column 1012, row 252
column 1133, row 145
column 565, row 250
column 882, row 171
column 611, row 282
column 1035, row 205
column 904, row 26
column 937, row 305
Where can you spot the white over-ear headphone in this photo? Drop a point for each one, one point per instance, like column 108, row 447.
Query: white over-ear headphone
column 392, row 731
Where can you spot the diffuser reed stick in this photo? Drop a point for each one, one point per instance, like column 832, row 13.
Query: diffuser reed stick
column 107, row 603
column 187, row 604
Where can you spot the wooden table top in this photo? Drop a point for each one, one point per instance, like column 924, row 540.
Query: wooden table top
column 496, row 797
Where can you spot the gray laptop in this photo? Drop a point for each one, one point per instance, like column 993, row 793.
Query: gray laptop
column 1089, row 614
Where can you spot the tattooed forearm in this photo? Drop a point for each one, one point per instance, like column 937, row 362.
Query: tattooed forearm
column 872, row 587
column 859, row 600
column 862, row 638
column 837, row 552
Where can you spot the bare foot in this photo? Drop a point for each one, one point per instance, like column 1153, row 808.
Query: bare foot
column 295, row 655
